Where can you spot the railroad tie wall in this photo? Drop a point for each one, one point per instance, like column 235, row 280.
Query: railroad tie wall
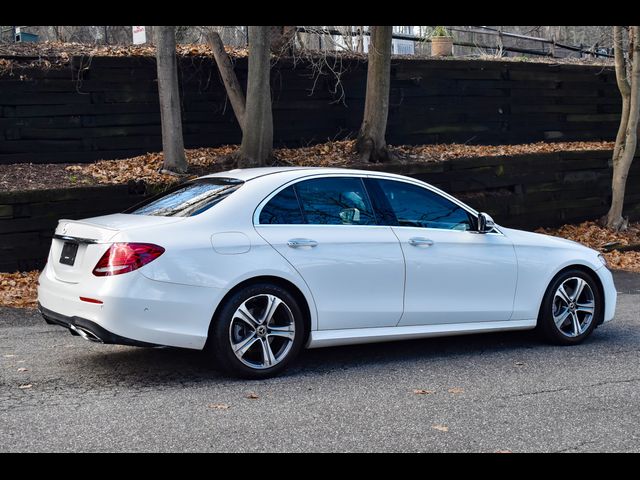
column 107, row 107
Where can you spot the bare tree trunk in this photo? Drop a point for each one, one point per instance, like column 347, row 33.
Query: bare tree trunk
column 625, row 92
column 371, row 144
column 229, row 78
column 170, row 115
column 626, row 139
column 257, row 137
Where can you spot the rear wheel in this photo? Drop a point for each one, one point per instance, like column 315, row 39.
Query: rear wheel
column 571, row 309
column 258, row 332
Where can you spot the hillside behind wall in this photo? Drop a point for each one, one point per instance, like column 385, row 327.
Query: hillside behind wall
column 520, row 191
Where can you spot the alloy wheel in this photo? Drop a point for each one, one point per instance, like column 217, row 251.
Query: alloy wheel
column 262, row 331
column 573, row 307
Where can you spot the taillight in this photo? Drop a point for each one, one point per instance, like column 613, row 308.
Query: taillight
column 126, row 257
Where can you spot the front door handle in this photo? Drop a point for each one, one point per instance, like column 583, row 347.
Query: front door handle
column 420, row 242
column 302, row 242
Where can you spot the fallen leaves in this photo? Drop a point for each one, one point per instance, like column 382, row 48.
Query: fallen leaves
column 61, row 52
column 595, row 236
column 65, row 50
column 252, row 396
column 218, row 406
column 330, row 154
column 443, row 152
column 424, row 392
column 440, row 428
column 19, row 289
column 147, row 167
column 452, row 390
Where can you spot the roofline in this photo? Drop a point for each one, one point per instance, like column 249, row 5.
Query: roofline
column 266, row 171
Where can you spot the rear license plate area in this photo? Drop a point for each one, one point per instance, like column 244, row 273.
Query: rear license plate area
column 68, row 255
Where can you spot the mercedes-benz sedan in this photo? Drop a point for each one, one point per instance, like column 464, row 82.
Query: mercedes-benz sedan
column 254, row 265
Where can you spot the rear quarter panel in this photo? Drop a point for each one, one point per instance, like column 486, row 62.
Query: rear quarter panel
column 191, row 259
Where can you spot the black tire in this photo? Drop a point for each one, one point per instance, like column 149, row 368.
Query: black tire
column 221, row 333
column 546, row 324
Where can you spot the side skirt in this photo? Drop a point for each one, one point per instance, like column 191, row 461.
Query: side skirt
column 352, row 336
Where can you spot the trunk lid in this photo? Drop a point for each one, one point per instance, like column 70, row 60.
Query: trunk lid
column 77, row 245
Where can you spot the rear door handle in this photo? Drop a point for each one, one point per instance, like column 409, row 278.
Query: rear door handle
column 420, row 242
column 302, row 242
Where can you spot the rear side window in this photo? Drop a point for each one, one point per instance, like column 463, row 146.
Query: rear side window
column 188, row 199
column 283, row 209
column 335, row 201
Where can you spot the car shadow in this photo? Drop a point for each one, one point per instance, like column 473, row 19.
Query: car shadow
column 166, row 366
column 410, row 351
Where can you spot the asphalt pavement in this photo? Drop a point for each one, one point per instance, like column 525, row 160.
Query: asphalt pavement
column 479, row 393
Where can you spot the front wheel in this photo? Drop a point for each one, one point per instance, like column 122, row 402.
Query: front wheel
column 571, row 309
column 258, row 332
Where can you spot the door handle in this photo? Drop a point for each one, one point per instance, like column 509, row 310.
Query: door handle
column 420, row 242
column 301, row 242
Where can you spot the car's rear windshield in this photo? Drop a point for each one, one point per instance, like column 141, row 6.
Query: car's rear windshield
column 188, row 199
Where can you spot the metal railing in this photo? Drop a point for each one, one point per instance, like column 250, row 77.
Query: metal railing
column 500, row 45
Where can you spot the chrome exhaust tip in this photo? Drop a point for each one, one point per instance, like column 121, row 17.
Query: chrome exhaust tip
column 86, row 334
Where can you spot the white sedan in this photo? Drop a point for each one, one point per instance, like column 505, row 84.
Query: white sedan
column 253, row 265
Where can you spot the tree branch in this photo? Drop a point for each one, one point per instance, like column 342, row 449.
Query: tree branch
column 229, row 77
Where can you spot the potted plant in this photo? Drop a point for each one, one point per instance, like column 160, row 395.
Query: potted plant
column 441, row 43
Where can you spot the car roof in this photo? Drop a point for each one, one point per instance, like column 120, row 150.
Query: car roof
column 247, row 174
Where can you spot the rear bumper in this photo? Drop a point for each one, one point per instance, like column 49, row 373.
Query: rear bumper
column 88, row 329
column 133, row 308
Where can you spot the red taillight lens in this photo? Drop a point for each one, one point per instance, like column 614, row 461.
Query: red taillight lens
column 126, row 257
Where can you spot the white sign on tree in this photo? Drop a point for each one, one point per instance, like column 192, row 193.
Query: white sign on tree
column 139, row 35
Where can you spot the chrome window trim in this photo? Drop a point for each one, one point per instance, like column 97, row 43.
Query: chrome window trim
column 419, row 183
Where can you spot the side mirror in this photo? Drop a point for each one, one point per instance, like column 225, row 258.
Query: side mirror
column 485, row 223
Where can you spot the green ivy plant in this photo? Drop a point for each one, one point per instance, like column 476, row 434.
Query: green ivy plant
column 440, row 32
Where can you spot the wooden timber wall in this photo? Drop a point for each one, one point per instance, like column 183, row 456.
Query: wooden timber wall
column 525, row 191
column 107, row 107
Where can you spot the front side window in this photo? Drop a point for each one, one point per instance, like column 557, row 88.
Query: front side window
column 189, row 199
column 415, row 206
column 335, row 201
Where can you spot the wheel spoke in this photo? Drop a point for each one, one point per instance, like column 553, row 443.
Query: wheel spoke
column 285, row 332
column 272, row 305
column 267, row 353
column 578, row 291
column 242, row 347
column 245, row 315
column 576, row 324
column 560, row 319
column 586, row 307
column 562, row 295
